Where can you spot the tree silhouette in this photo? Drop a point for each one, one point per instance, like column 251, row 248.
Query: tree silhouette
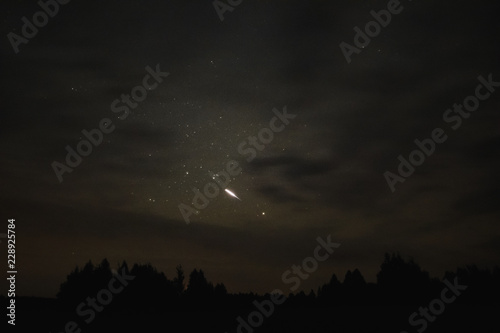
column 199, row 291
column 354, row 288
column 399, row 282
column 329, row 293
column 179, row 280
column 403, row 282
column 83, row 283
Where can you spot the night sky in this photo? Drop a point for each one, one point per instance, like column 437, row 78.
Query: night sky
column 323, row 174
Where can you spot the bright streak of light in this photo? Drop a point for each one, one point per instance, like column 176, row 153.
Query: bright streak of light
column 232, row 194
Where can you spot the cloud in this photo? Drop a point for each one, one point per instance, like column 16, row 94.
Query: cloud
column 293, row 167
column 279, row 194
column 483, row 201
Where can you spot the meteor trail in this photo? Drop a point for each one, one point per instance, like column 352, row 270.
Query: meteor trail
column 232, row 194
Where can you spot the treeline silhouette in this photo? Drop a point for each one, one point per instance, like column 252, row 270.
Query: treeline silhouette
column 151, row 301
column 399, row 282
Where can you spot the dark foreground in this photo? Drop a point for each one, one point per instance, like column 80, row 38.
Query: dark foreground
column 43, row 315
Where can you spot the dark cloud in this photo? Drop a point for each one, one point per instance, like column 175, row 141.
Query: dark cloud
column 293, row 167
column 279, row 194
column 484, row 201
